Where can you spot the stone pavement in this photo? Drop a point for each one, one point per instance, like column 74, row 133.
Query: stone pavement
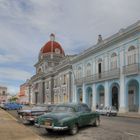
column 129, row 115
column 10, row 129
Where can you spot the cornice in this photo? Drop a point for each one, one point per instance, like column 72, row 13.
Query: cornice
column 121, row 35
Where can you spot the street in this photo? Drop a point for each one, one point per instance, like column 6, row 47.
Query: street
column 111, row 128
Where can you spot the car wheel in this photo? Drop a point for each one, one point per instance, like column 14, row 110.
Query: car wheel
column 97, row 122
column 74, row 129
column 49, row 130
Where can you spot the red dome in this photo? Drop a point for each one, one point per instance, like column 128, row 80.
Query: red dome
column 47, row 48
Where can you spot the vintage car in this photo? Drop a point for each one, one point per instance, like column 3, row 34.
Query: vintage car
column 31, row 113
column 12, row 106
column 108, row 111
column 68, row 117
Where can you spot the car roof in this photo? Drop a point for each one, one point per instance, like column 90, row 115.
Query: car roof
column 71, row 104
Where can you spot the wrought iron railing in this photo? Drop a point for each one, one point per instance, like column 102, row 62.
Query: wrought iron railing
column 111, row 74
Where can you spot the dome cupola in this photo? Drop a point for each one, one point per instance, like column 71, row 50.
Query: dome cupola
column 52, row 47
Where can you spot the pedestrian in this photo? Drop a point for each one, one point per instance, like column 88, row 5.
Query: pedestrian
column 97, row 106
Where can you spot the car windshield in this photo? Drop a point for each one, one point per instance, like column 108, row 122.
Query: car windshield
column 38, row 108
column 63, row 109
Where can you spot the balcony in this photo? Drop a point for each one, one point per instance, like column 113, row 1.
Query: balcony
column 108, row 75
column 131, row 69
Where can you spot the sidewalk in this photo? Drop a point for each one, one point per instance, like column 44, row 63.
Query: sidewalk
column 10, row 129
column 129, row 115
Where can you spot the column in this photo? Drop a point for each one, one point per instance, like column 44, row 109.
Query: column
column 123, row 97
column 74, row 95
column 84, row 94
column 107, row 95
column 94, row 97
column 139, row 101
column 106, row 63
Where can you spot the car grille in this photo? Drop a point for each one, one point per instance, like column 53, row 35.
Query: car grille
column 48, row 122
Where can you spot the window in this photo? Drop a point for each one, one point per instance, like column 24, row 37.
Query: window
column 79, row 73
column 36, row 86
column 83, row 108
column 131, row 55
column 3, row 93
column 113, row 61
column 65, row 78
column 88, row 69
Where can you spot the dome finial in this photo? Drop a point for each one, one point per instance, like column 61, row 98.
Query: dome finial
column 52, row 37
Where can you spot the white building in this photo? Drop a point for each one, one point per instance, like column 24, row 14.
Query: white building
column 108, row 73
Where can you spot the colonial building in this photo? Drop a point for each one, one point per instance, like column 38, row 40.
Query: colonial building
column 52, row 82
column 23, row 95
column 108, row 73
column 3, row 94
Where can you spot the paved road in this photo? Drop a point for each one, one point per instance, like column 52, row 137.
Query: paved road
column 111, row 128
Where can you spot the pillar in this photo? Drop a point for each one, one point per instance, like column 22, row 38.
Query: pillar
column 123, row 97
column 84, row 94
column 94, row 97
column 139, row 101
column 106, row 88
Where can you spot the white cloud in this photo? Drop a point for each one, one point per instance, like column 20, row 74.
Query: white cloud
column 8, row 58
column 14, row 74
column 26, row 26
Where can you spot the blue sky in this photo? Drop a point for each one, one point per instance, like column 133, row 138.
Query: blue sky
column 25, row 26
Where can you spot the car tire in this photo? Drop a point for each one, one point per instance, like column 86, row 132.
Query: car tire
column 73, row 130
column 97, row 122
column 49, row 130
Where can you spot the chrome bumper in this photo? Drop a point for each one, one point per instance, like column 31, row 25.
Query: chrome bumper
column 52, row 127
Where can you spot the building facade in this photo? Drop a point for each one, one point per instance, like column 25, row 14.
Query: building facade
column 53, row 79
column 23, row 96
column 3, row 94
column 108, row 74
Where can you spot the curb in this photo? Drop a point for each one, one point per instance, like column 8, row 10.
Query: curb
column 31, row 131
column 128, row 116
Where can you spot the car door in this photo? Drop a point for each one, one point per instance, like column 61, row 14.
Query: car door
column 84, row 115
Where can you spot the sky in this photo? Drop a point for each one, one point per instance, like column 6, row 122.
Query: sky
column 25, row 26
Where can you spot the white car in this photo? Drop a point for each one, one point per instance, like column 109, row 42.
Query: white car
column 108, row 111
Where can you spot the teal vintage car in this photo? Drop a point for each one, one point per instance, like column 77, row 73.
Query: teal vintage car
column 69, row 116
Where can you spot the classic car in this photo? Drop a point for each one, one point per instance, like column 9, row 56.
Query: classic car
column 108, row 111
column 30, row 114
column 69, row 116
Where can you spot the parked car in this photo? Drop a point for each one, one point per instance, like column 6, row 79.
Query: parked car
column 29, row 115
column 108, row 111
column 12, row 106
column 2, row 105
column 68, row 117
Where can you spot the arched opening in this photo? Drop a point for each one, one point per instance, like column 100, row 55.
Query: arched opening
column 88, row 69
column 133, row 96
column 55, row 98
column 100, row 96
column 65, row 98
column 115, row 96
column 99, row 67
column 113, row 61
column 79, row 96
column 89, row 97
column 132, row 55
